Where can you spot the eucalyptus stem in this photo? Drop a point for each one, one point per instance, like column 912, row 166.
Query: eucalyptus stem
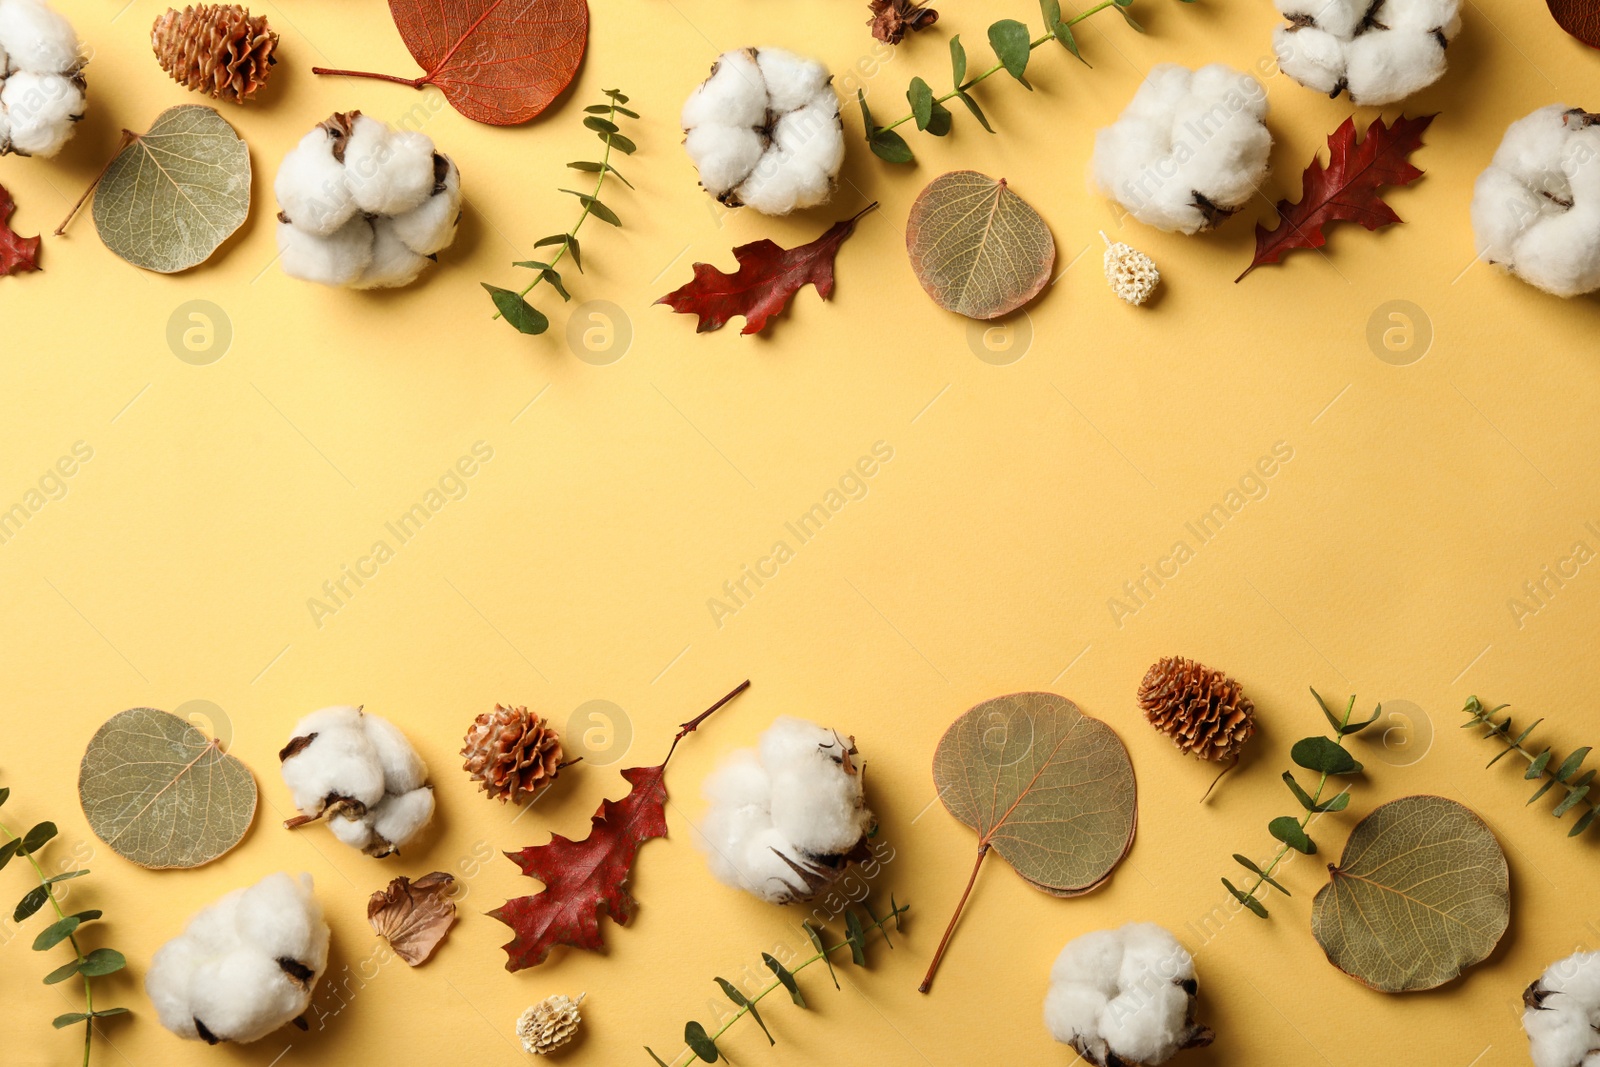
column 1565, row 774
column 998, row 67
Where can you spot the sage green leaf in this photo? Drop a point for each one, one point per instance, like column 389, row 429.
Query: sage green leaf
column 1421, row 893
column 63, row 972
column 1299, row 794
column 659, row 1061
column 174, row 194
column 1287, row 829
column 619, row 142
column 695, row 1036
column 5, row 794
column 56, row 932
column 1523, row 736
column 66, row 876
column 8, row 850
column 1248, row 864
column 1570, row 801
column 161, row 793
column 939, row 120
column 1011, row 43
column 981, row 251
column 523, row 316
column 101, row 1013
column 958, row 62
column 977, row 112
column 1063, row 33
column 1246, row 899
column 1542, row 790
column 857, row 938
column 1568, row 768
column 1536, row 768
column 1129, row 19
column 35, row 839
column 1338, row 803
column 102, row 961
column 62, row 1021
column 31, row 902
column 890, row 147
column 1321, row 754
column 785, row 979
column 1050, row 10
column 600, row 125
column 920, row 96
column 815, row 934
column 1583, row 822
column 744, row 1002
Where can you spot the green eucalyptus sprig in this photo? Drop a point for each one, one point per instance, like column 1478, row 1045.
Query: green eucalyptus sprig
column 1012, row 43
column 1329, row 758
column 513, row 305
column 88, row 966
column 703, row 1045
column 1565, row 774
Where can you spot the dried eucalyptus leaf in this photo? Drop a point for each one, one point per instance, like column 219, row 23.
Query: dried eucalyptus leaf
column 174, row 194
column 1421, row 893
column 978, row 248
column 161, row 793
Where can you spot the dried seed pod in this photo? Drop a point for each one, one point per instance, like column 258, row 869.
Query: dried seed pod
column 1204, row 711
column 550, row 1023
column 511, row 753
column 220, row 50
column 1132, row 274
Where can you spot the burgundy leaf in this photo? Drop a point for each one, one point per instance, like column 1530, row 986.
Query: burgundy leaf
column 18, row 255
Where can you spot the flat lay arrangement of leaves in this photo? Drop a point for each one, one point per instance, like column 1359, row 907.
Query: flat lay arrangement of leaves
column 88, row 966
column 702, row 1044
column 1421, row 893
column 1329, row 758
column 978, row 248
column 1565, row 773
column 514, row 306
column 1044, row 785
column 767, row 279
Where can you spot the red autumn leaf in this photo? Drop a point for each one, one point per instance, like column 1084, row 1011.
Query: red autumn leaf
column 1581, row 18
column 1348, row 189
column 768, row 276
column 18, row 255
column 581, row 877
column 497, row 61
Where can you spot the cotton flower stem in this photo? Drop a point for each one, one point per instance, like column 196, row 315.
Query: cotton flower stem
column 128, row 137
column 944, row 942
column 998, row 67
column 415, row 83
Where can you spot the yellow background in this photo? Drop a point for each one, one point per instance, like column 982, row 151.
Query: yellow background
column 1020, row 498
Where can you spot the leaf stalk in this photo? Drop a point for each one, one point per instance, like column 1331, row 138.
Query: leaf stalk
column 944, row 942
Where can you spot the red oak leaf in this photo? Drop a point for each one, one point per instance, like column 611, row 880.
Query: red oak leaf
column 18, row 255
column 581, row 877
column 1347, row 190
column 497, row 61
column 768, row 276
column 1581, row 18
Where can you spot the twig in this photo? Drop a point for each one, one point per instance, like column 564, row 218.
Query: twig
column 1565, row 774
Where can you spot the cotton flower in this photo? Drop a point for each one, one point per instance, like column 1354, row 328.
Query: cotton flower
column 41, row 81
column 763, row 130
column 1562, row 1016
column 788, row 816
column 1536, row 209
column 364, row 205
column 1124, row 997
column 361, row 774
column 1380, row 51
column 244, row 966
column 1189, row 150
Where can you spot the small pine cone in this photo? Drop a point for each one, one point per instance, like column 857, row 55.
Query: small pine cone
column 218, row 49
column 549, row 1024
column 511, row 753
column 1204, row 711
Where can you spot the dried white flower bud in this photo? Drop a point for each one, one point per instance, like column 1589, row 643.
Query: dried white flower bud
column 549, row 1024
column 1132, row 274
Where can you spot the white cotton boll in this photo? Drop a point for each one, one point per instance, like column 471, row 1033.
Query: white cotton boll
column 43, row 110
column 430, row 229
column 337, row 761
column 338, row 259
column 37, row 39
column 311, row 188
column 1381, row 56
column 1337, row 16
column 389, row 172
column 352, row 830
column 1562, row 1014
column 817, row 799
column 1501, row 209
column 1384, row 67
column 1561, row 254
column 244, row 966
column 1189, row 150
column 403, row 769
column 1423, row 15
column 763, row 131
column 1124, row 996
column 358, row 769
column 1312, row 57
column 397, row 820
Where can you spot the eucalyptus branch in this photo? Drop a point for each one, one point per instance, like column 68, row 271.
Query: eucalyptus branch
column 1012, row 44
column 1328, row 759
column 88, row 966
column 700, row 1044
column 1565, row 774
column 513, row 304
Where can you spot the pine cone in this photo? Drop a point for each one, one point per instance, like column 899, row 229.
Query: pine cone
column 549, row 1024
column 511, row 753
column 1204, row 711
column 218, row 49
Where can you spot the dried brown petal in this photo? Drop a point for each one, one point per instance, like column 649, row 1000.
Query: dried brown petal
column 892, row 19
column 414, row 916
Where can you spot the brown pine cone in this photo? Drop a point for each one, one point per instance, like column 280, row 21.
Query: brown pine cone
column 218, row 49
column 1204, row 711
column 511, row 753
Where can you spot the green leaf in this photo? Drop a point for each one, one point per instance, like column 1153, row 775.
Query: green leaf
column 1249, row 865
column 103, row 961
column 1010, row 40
column 531, row 264
column 32, row 902
column 1536, row 768
column 634, row 114
column 620, row 143
column 1568, row 768
column 66, row 877
column 661, row 1062
column 1542, row 790
column 877, row 923
column 977, row 112
column 601, row 125
column 522, row 316
column 1523, row 736
column 61, row 1022
column 1287, row 829
column 867, row 124
column 1583, row 822
column 744, row 1002
column 8, row 850
column 816, row 939
column 591, row 167
column 958, row 62
column 5, row 794
column 1063, row 33
column 88, row 916
column 921, row 100
column 857, row 938
column 785, row 979
column 1570, row 801
column 63, row 972
column 1299, row 794
column 1323, row 755
column 56, row 932
column 1129, row 19
column 1050, row 10
column 596, row 208
column 555, row 283
column 598, row 109
column 613, row 94
column 1248, row 901
column 101, row 1013
column 695, row 1036
column 1502, row 754
column 35, row 839
column 890, row 147
column 939, row 121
